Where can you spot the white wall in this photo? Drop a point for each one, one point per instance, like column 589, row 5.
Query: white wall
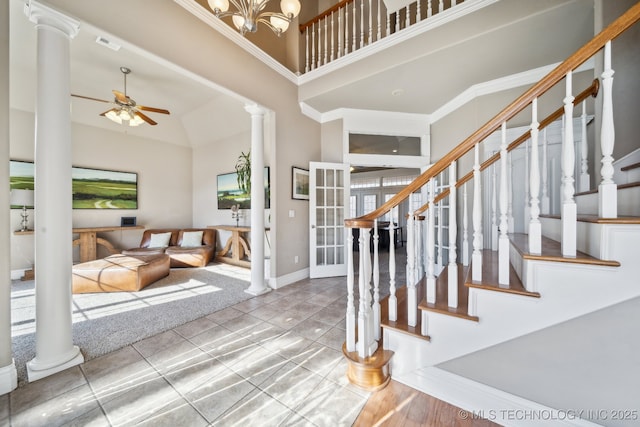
column 164, row 189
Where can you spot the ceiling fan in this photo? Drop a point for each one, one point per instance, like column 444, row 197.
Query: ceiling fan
column 126, row 111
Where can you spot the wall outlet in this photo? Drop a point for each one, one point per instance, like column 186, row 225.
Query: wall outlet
column 296, row 259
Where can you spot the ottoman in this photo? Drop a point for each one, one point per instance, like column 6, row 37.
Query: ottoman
column 119, row 273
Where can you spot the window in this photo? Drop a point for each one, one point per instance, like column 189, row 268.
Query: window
column 415, row 201
column 392, row 215
column 390, row 181
column 369, row 203
column 365, row 182
column 353, row 206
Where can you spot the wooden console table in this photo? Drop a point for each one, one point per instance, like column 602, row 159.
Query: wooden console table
column 237, row 244
column 89, row 241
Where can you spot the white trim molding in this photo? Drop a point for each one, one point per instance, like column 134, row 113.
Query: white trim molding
column 287, row 279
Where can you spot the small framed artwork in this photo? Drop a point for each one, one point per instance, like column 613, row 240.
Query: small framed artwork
column 300, row 183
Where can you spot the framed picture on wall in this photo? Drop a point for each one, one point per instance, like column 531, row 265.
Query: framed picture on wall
column 104, row 189
column 230, row 194
column 300, row 183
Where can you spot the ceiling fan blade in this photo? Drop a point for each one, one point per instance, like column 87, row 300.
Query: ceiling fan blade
column 146, row 118
column 90, row 98
column 121, row 97
column 152, row 109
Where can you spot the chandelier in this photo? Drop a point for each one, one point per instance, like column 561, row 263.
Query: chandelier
column 250, row 12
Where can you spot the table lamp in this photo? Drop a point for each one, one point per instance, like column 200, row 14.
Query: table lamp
column 24, row 198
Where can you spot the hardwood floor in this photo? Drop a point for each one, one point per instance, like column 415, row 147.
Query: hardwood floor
column 400, row 405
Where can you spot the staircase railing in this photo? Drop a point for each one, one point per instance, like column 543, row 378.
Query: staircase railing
column 351, row 25
column 368, row 325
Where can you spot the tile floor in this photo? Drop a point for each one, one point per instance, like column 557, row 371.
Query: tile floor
column 272, row 360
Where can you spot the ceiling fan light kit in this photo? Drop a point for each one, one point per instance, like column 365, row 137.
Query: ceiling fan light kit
column 249, row 12
column 126, row 111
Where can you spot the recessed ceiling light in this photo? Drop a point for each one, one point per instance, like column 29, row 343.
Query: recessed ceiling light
column 108, row 43
column 397, row 92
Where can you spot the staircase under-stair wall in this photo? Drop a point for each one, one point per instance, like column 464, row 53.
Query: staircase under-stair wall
column 501, row 285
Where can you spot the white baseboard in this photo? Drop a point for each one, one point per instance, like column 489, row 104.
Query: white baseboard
column 17, row 274
column 478, row 400
column 8, row 378
column 287, row 279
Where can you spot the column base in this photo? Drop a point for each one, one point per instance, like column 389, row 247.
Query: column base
column 36, row 370
column 256, row 292
column 608, row 201
column 569, row 217
column 8, row 378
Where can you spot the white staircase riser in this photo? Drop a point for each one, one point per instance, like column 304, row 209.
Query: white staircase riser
column 628, row 202
column 567, row 291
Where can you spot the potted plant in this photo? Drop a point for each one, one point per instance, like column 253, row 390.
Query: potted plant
column 243, row 170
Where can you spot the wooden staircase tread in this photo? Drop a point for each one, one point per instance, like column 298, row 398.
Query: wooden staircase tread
column 630, row 167
column 594, row 219
column 620, row 187
column 552, row 251
column 442, row 296
column 401, row 324
column 490, row 277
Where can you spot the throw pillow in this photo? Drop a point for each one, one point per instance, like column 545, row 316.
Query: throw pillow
column 160, row 240
column 191, row 239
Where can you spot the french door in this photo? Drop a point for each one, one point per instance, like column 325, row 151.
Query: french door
column 328, row 203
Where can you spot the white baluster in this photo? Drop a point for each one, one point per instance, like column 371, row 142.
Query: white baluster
column 440, row 260
column 376, row 282
column 313, row 46
column 431, row 244
column 306, row 56
column 584, row 151
column 326, row 38
column 503, row 240
column 333, row 42
column 340, row 33
column 319, row 44
column 412, row 297
column 545, row 183
column 393, row 302
column 362, row 321
column 494, row 207
column 419, row 250
column 465, row 227
column 527, row 208
column 353, row 47
column 453, row 3
column 388, row 24
column 370, row 40
column 441, row 6
column 361, row 24
column 418, row 11
column 607, row 190
column 379, row 29
column 407, row 16
column 346, row 29
column 351, row 311
column 429, row 9
column 569, row 212
column 453, row 234
column 397, row 20
column 476, row 257
column 535, row 228
column 510, row 218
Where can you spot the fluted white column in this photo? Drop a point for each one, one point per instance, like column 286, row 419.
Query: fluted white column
column 476, row 257
column 453, row 235
column 569, row 211
column 54, row 345
column 503, row 239
column 607, row 190
column 258, row 285
column 8, row 373
column 535, row 228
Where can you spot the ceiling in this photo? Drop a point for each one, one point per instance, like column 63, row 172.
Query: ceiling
column 426, row 74
column 199, row 112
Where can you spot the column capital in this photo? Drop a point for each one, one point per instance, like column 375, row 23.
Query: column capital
column 41, row 14
column 255, row 109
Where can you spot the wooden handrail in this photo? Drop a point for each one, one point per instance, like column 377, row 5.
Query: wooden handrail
column 616, row 28
column 592, row 90
column 324, row 14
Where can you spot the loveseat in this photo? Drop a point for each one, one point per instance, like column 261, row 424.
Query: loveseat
column 187, row 247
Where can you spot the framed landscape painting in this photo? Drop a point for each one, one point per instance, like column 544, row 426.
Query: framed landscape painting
column 20, row 177
column 229, row 192
column 104, row 189
column 300, row 184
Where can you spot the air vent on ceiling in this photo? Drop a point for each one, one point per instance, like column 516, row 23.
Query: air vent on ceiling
column 108, row 43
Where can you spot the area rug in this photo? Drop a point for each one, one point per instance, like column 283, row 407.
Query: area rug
column 105, row 322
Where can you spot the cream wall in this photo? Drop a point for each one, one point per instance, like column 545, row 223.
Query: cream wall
column 195, row 46
column 164, row 190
